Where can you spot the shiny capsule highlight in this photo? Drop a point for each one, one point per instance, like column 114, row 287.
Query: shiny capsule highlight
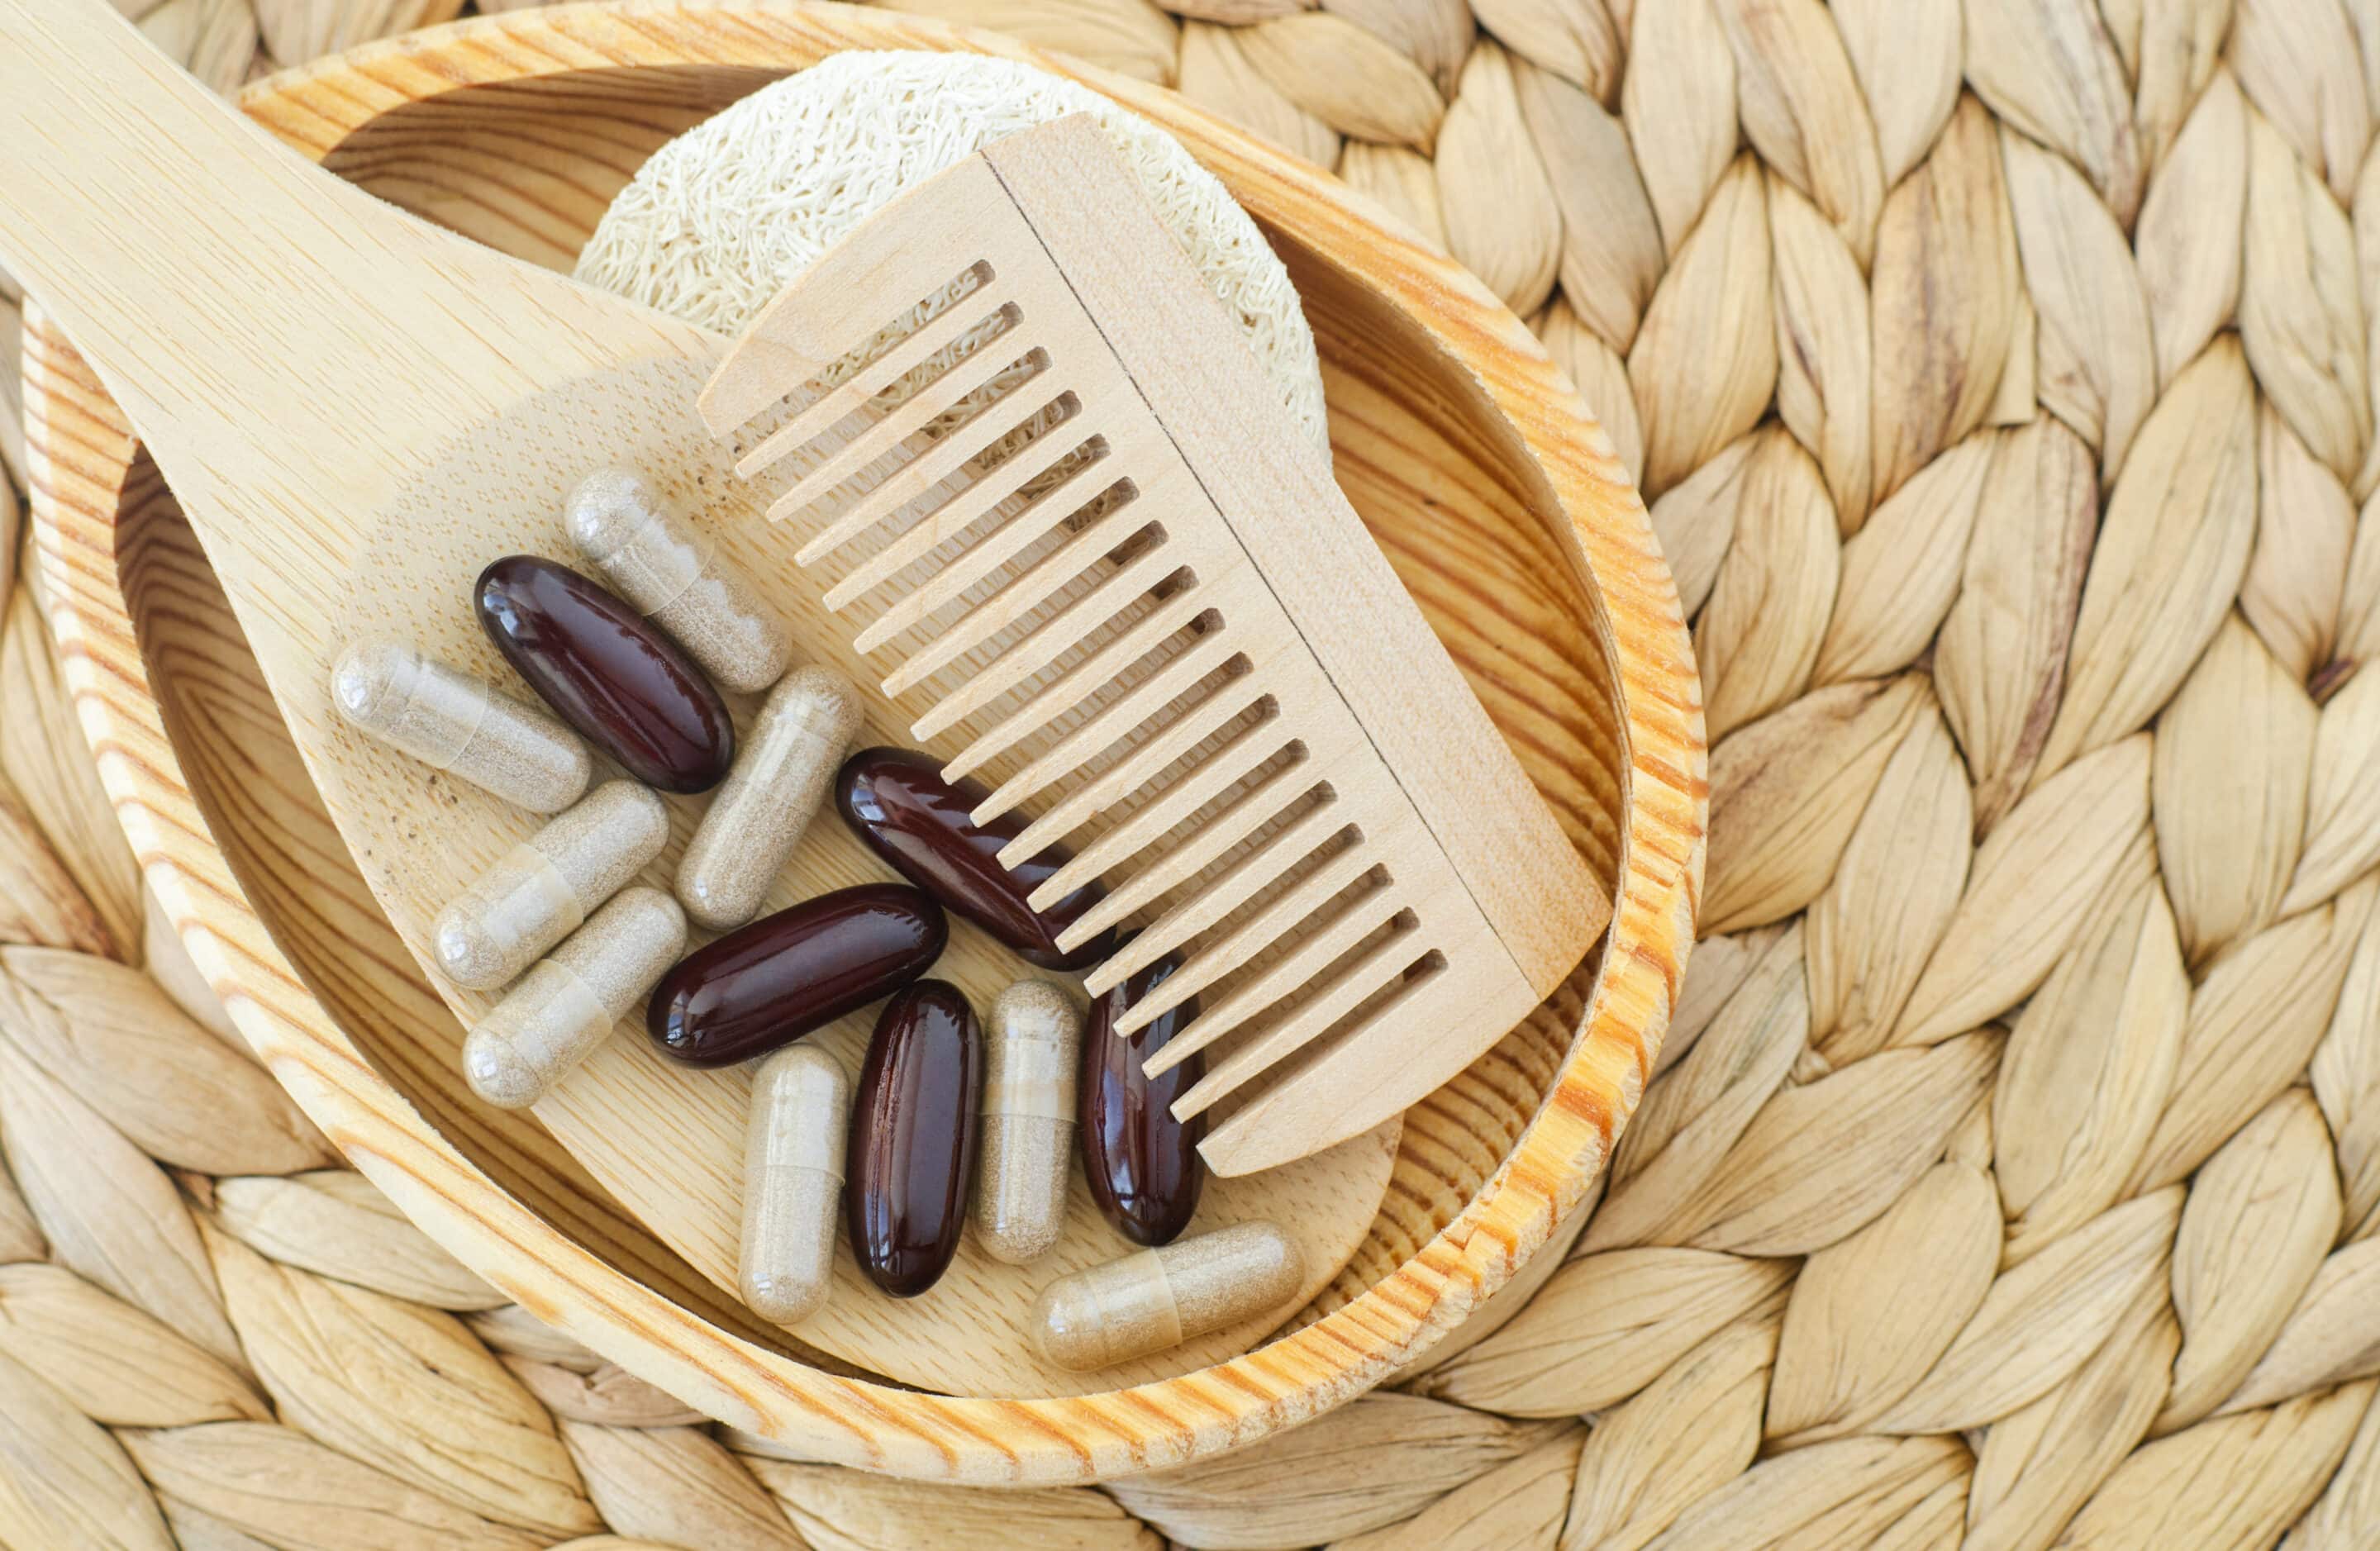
column 453, row 722
column 779, row 780
column 792, row 1183
column 1143, row 1165
column 798, row 970
column 1032, row 1040
column 673, row 576
column 1156, row 1299
column 568, row 1002
column 897, row 800
column 626, row 688
column 913, row 1137
column 544, row 889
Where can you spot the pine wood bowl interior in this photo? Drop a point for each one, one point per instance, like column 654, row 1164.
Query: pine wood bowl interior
column 1468, row 456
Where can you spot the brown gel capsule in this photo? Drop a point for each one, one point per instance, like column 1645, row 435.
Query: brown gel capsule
column 1156, row 1299
column 792, row 1183
column 1032, row 1041
column 1143, row 1165
column 897, row 800
column 604, row 670
column 792, row 972
column 912, row 1148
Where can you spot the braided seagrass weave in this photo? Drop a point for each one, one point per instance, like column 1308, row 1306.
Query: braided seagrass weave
column 2003, row 383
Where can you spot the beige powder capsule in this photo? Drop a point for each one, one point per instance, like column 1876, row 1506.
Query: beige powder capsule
column 792, row 1182
column 454, row 722
column 568, row 1004
column 1157, row 1299
column 675, row 577
column 1032, row 1040
column 780, row 779
column 541, row 891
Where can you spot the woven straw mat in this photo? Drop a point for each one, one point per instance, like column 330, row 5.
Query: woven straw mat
column 2003, row 387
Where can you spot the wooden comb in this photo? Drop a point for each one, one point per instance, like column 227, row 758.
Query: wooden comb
column 1161, row 618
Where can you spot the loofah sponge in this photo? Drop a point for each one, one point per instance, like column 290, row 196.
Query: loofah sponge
column 721, row 218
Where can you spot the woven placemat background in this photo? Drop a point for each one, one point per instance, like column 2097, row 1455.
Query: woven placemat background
column 2003, row 385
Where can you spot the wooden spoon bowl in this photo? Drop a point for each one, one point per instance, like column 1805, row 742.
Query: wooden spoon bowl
column 1466, row 453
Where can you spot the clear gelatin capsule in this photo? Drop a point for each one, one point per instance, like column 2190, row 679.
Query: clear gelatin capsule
column 568, row 1002
column 1157, row 1299
column 541, row 891
column 453, row 722
column 792, row 1182
column 1032, row 1040
column 675, row 577
column 779, row 781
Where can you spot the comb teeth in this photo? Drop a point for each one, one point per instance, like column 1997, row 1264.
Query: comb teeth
column 909, row 419
column 1312, row 887
column 1111, row 723
column 1063, row 512
column 1311, row 1018
column 962, row 319
column 1105, row 671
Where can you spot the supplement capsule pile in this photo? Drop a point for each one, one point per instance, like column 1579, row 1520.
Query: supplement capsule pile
column 948, row 1117
column 569, row 1001
column 539, row 891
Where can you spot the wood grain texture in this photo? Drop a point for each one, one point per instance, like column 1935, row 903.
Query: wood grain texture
column 1426, row 369
column 666, row 1141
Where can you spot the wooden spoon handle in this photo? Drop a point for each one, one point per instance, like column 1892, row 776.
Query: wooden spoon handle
column 291, row 349
column 188, row 256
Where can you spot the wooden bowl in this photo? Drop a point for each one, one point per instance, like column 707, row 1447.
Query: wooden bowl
column 1467, row 453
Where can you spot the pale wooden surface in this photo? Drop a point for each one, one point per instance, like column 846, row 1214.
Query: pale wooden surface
column 1404, row 405
column 664, row 1140
column 1253, row 785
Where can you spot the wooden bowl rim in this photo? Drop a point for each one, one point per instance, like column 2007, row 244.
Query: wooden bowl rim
column 851, row 1420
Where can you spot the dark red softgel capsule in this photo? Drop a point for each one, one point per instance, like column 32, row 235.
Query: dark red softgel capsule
column 897, row 800
column 1143, row 1164
column 911, row 1154
column 769, row 983
column 624, row 687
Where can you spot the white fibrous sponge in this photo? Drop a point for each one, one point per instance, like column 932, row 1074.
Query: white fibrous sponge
column 724, row 217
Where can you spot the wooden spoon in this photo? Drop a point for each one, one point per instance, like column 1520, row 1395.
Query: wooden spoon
column 298, row 356
column 357, row 411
